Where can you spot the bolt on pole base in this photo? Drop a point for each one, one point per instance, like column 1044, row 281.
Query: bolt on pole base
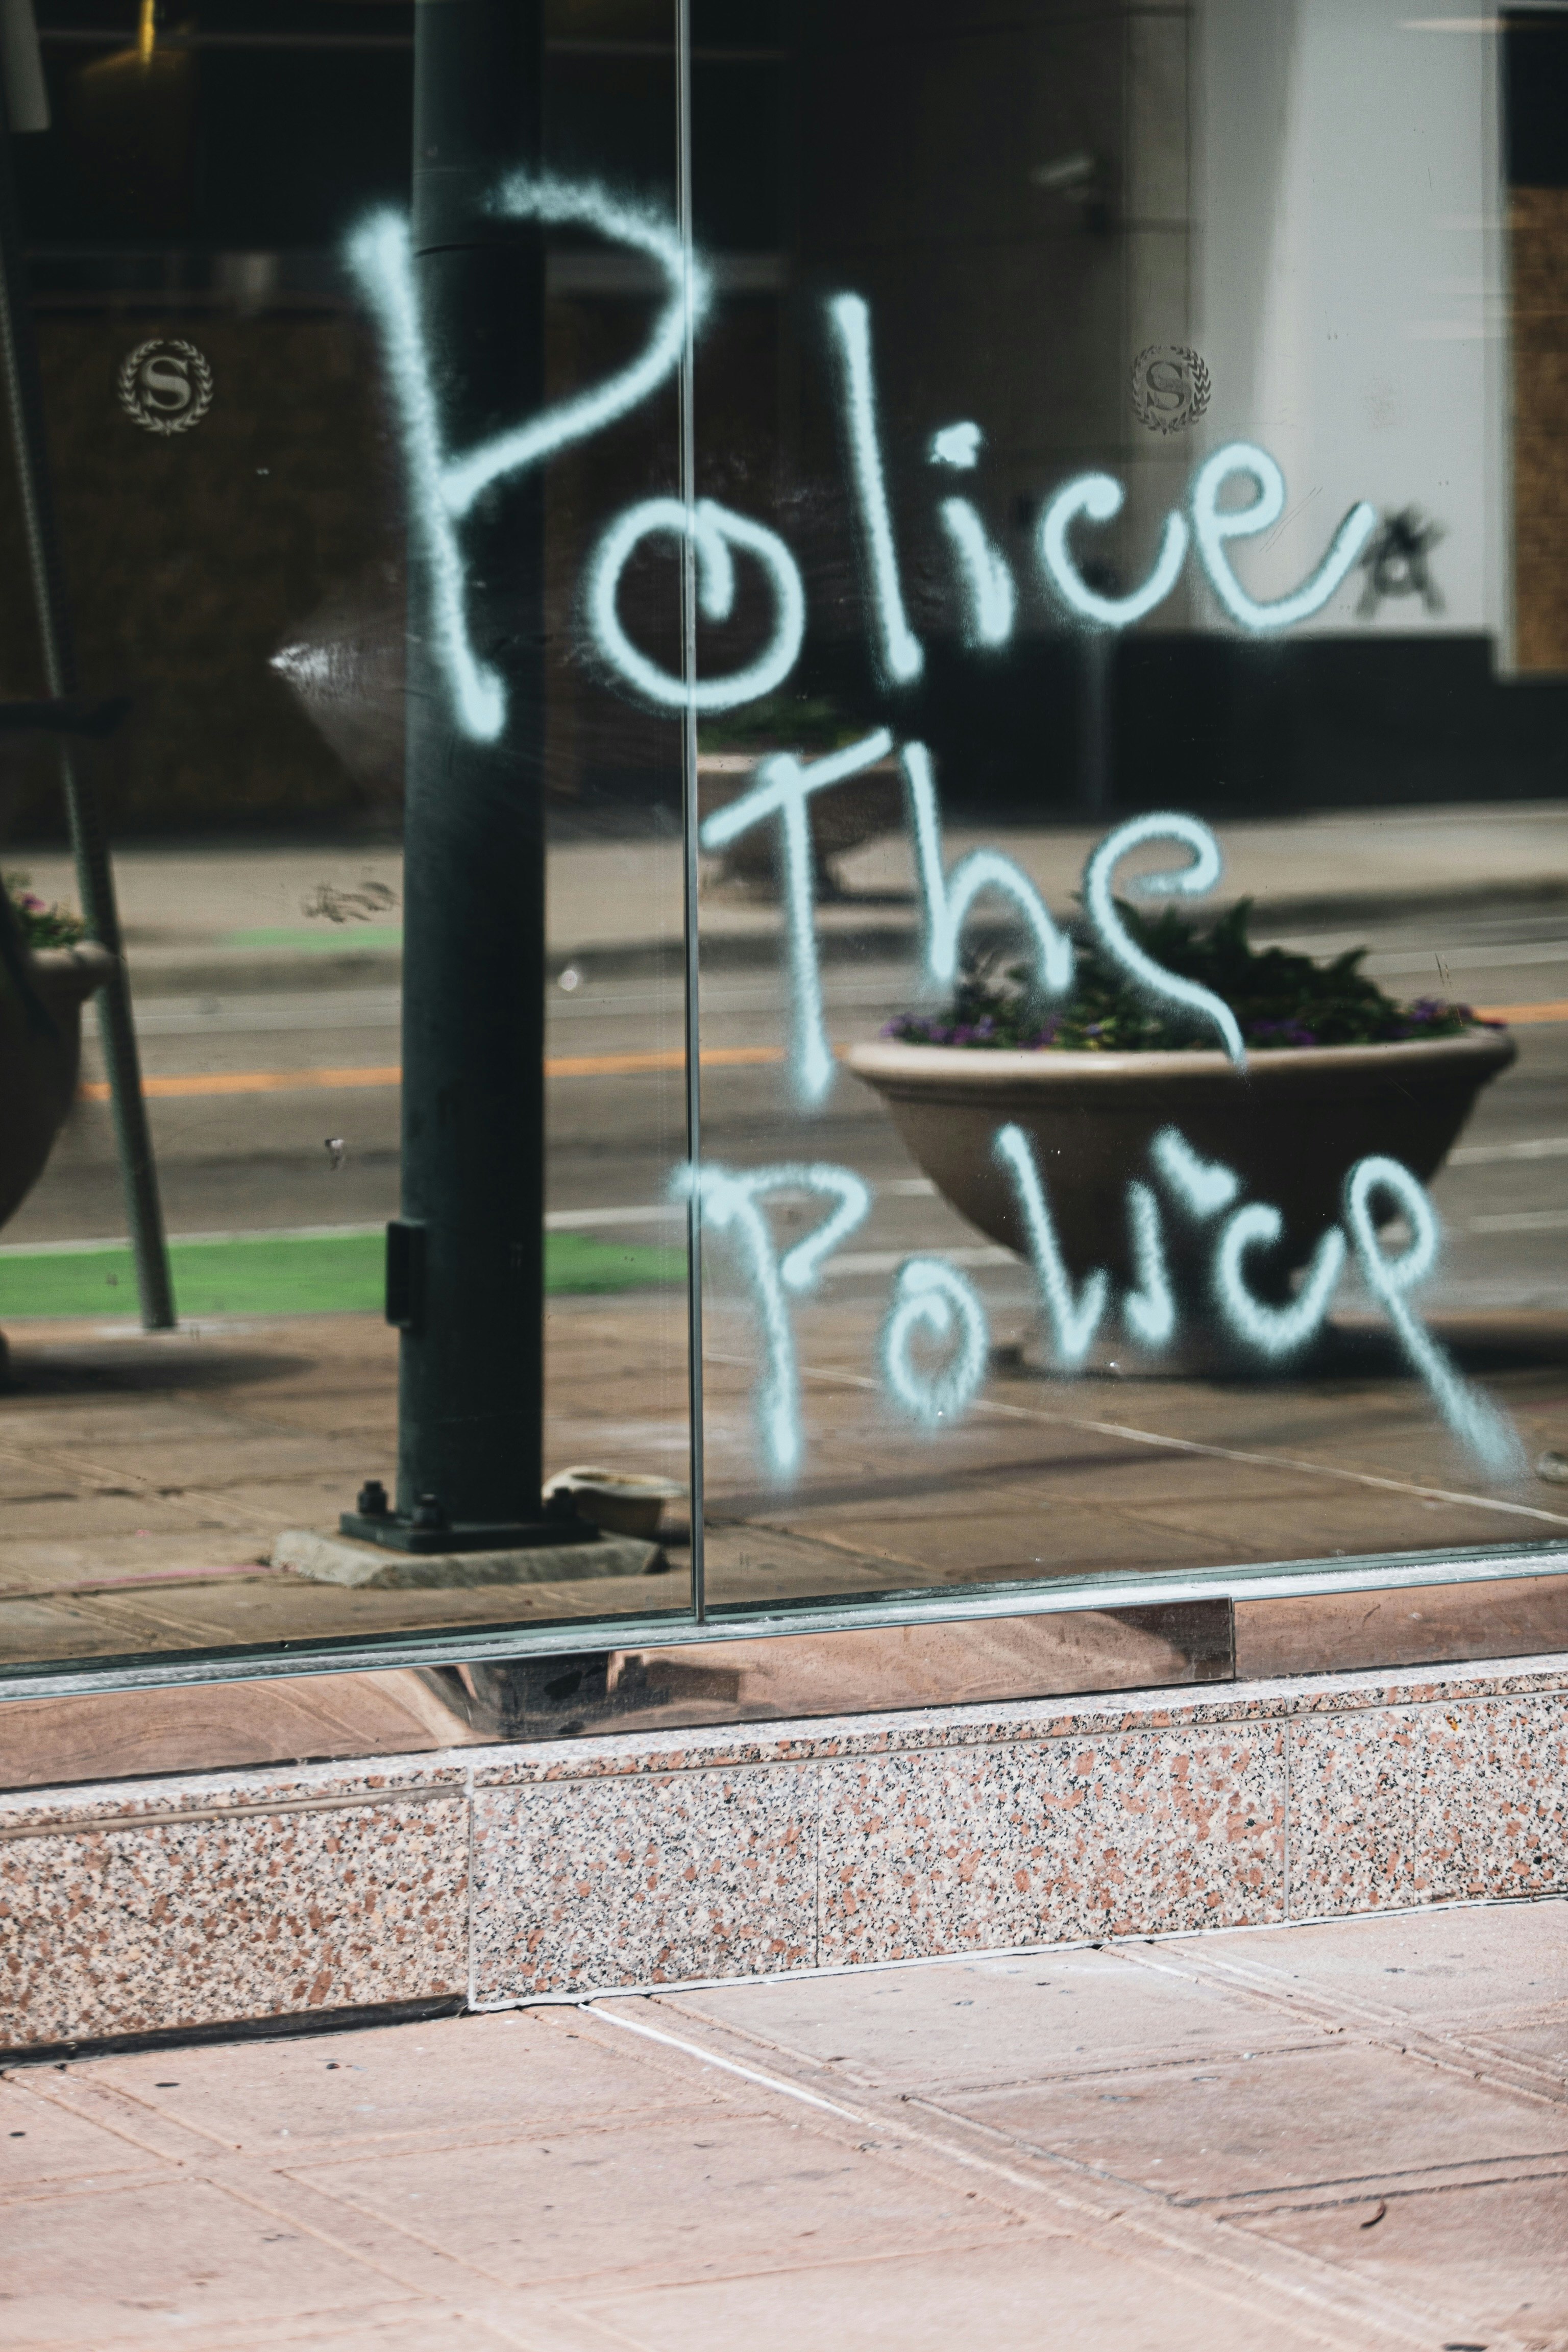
column 427, row 1529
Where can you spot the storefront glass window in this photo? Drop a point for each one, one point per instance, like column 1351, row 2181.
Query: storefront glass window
column 968, row 603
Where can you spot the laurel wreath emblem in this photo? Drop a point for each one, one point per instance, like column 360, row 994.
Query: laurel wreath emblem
column 130, row 396
column 1195, row 387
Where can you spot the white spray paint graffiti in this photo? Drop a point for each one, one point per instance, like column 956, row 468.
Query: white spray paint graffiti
column 781, row 788
column 987, row 576
column 731, row 1203
column 711, row 528
column 931, row 1296
column 1188, row 882
column 946, row 899
column 1470, row 1414
column 900, row 652
column 1099, row 498
column 1217, row 526
column 931, row 1300
column 442, row 487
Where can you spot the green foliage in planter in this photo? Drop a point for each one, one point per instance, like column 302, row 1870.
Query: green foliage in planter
column 1281, row 1000
column 805, row 722
column 42, row 926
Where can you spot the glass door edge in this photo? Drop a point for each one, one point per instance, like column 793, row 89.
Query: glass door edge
column 1059, row 1596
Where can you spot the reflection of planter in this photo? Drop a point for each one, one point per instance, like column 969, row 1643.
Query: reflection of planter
column 842, row 818
column 38, row 1061
column 1291, row 1125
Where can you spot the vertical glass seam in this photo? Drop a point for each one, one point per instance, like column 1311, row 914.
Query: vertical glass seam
column 689, row 813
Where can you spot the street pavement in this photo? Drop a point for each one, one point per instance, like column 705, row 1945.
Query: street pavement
column 1346, row 2134
column 266, row 981
column 146, row 1481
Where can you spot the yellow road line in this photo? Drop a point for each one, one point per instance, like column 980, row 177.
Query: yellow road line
column 1520, row 1016
column 615, row 1065
column 585, row 1065
column 250, row 1082
column 565, row 1066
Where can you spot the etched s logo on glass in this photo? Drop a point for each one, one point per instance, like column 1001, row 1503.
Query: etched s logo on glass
column 1170, row 386
column 165, row 385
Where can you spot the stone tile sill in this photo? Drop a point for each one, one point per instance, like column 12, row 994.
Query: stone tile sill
column 505, row 1874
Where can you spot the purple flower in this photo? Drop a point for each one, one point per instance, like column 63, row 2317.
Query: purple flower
column 1280, row 1035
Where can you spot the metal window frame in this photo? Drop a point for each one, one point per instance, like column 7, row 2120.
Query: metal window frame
column 1051, row 1596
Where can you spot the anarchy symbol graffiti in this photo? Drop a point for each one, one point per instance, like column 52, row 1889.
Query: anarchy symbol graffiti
column 1396, row 561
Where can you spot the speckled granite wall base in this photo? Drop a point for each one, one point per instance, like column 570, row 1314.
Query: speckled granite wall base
column 502, row 1874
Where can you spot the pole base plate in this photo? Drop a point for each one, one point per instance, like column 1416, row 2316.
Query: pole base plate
column 375, row 1567
column 394, row 1532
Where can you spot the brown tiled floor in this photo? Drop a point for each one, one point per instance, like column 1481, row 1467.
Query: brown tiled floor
column 144, row 1480
column 1336, row 2136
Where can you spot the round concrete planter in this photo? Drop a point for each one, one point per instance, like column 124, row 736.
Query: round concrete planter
column 38, row 1061
column 1291, row 1125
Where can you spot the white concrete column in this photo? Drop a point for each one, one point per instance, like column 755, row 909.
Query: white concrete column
column 1350, row 286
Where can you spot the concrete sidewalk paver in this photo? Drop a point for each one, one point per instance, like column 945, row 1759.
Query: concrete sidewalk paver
column 1205, row 2135
column 670, row 2199
column 1497, row 2249
column 1435, row 1968
column 382, row 2091
column 181, row 2255
column 1202, row 2144
column 1048, row 2018
column 47, row 2146
column 1039, row 2291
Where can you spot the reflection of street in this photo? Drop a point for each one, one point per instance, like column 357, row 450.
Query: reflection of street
column 274, row 1076
column 146, row 1480
column 261, row 1159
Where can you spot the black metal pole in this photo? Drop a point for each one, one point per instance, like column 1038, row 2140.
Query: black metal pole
column 465, row 1275
column 1096, row 719
column 95, row 875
